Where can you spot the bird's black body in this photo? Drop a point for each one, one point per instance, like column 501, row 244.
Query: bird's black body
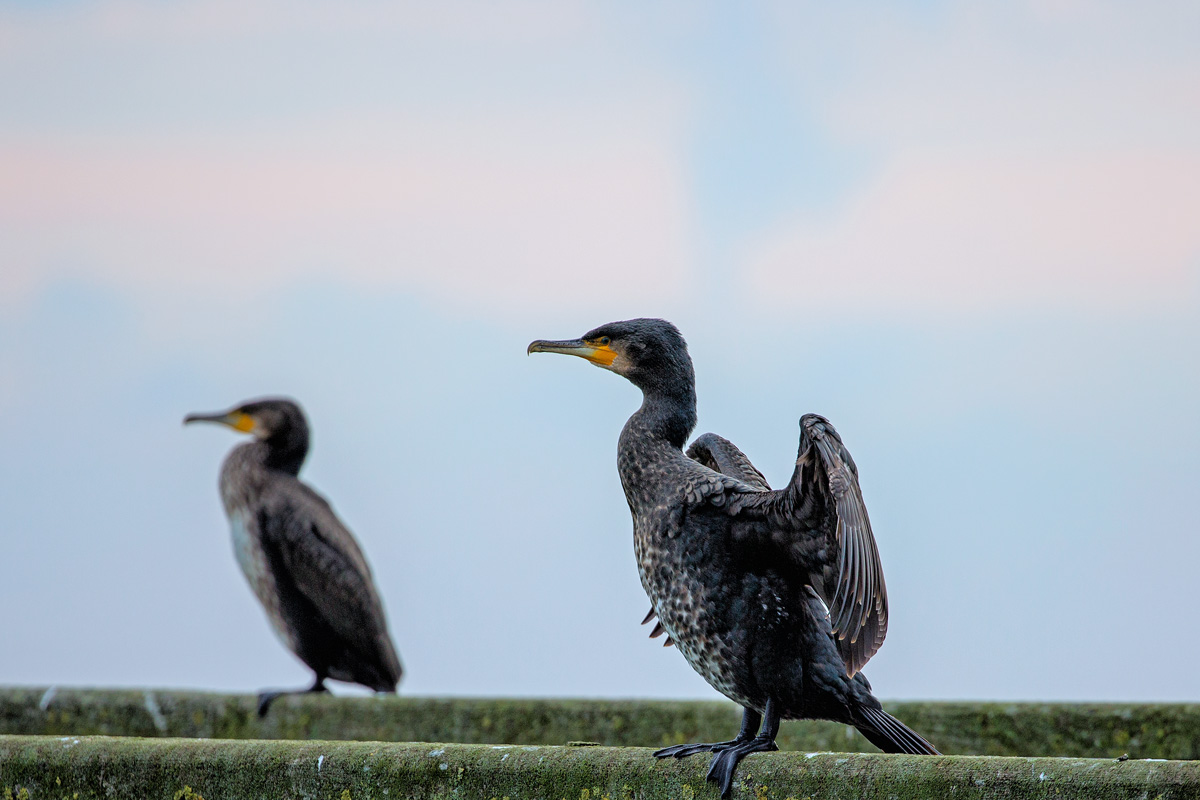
column 302, row 563
column 741, row 578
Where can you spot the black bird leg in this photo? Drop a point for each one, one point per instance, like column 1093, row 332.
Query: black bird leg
column 725, row 761
column 750, row 722
column 267, row 697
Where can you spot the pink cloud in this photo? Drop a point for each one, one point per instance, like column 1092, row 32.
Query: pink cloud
column 987, row 230
column 512, row 210
column 1031, row 154
column 460, row 191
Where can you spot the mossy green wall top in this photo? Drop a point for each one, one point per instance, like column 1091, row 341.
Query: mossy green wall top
column 89, row 768
column 1013, row 729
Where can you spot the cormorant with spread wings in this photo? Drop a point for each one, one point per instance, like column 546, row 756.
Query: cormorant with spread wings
column 775, row 597
column 302, row 563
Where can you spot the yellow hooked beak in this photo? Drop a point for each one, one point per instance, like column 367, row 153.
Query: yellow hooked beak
column 234, row 419
column 602, row 355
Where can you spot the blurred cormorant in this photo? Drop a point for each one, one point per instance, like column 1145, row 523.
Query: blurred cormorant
column 775, row 597
column 302, row 563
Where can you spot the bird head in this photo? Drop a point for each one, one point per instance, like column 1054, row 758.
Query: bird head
column 651, row 353
column 276, row 421
column 266, row 419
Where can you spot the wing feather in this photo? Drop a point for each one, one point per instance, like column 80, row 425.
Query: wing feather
column 858, row 606
column 327, row 567
column 819, row 522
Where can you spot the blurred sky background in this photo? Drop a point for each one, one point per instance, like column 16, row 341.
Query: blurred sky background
column 968, row 233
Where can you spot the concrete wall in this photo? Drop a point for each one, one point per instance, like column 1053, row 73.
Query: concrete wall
column 1012, row 729
column 89, row 768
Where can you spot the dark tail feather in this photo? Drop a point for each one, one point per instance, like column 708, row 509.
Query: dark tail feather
column 891, row 735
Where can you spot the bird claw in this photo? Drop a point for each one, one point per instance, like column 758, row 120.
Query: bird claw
column 685, row 750
column 725, row 761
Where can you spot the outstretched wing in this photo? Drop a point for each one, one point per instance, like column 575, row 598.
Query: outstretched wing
column 326, row 567
column 820, row 522
column 854, row 591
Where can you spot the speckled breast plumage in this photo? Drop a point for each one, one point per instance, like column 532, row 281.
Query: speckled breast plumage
column 680, row 599
column 680, row 592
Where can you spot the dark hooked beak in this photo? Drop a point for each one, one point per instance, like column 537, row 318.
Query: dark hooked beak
column 599, row 354
column 234, row 419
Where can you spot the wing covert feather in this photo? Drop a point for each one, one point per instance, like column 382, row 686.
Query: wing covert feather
column 721, row 455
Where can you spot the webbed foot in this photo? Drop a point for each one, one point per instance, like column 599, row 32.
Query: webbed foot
column 725, row 761
column 685, row 750
column 750, row 722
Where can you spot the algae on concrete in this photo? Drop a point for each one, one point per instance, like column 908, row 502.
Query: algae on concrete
column 90, row 768
column 1013, row 729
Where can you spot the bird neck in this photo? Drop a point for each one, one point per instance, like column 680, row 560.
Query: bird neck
column 668, row 414
column 286, row 451
column 280, row 453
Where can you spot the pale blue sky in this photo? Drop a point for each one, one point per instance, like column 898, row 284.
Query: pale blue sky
column 966, row 233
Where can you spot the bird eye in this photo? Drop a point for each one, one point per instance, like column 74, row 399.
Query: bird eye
column 604, row 340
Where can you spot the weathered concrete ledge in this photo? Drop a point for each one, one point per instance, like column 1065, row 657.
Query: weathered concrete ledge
column 90, row 768
column 1010, row 729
